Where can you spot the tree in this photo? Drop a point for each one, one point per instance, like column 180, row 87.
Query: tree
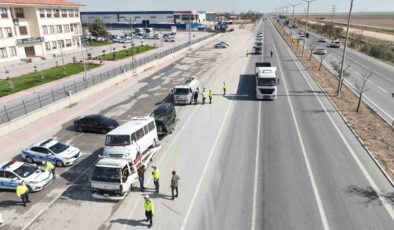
column 360, row 87
column 312, row 46
column 322, row 57
column 98, row 29
column 337, row 68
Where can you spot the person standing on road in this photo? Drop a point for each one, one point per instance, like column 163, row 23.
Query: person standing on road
column 141, row 176
column 48, row 166
column 174, row 184
column 156, row 176
column 149, row 210
column 210, row 96
column 195, row 95
column 204, row 96
column 224, row 88
column 23, row 192
column 272, row 53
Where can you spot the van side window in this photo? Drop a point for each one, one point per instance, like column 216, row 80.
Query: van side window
column 140, row 133
column 151, row 126
column 133, row 137
column 146, row 129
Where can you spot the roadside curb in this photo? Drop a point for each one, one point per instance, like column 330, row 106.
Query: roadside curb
column 343, row 118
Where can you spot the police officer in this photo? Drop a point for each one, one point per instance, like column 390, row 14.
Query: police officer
column 195, row 95
column 49, row 167
column 210, row 96
column 224, row 88
column 204, row 95
column 156, row 176
column 141, row 176
column 149, row 210
column 23, row 192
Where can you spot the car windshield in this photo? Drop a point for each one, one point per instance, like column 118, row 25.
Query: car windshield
column 181, row 91
column 117, row 140
column 266, row 81
column 25, row 170
column 59, row 148
column 106, row 174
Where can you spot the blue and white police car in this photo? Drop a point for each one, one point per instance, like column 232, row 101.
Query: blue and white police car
column 13, row 172
column 52, row 151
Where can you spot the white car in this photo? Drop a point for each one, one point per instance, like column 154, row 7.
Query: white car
column 321, row 39
column 52, row 151
column 35, row 178
column 224, row 43
column 220, row 46
column 320, row 51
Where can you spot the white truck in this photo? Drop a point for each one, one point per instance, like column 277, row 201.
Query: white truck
column 183, row 94
column 266, row 81
column 112, row 178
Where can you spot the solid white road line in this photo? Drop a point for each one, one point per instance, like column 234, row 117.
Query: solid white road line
column 307, row 163
column 365, row 172
column 183, row 227
column 382, row 89
column 256, row 170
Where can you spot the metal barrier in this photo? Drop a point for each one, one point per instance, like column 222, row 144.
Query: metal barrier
column 46, row 97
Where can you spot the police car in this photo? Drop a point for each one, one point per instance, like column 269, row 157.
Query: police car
column 13, row 172
column 52, row 151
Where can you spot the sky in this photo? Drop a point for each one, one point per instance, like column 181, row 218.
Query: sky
column 235, row 5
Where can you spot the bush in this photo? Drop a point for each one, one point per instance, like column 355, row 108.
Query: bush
column 379, row 51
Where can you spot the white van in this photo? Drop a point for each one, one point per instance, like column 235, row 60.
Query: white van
column 132, row 139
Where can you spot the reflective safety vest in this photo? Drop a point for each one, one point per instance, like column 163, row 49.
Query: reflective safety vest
column 209, row 93
column 204, row 94
column 48, row 166
column 21, row 189
column 224, row 85
column 156, row 174
column 148, row 205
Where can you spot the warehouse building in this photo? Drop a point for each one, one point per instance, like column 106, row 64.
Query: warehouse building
column 31, row 28
column 154, row 19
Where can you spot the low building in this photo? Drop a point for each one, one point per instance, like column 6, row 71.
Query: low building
column 144, row 19
column 31, row 28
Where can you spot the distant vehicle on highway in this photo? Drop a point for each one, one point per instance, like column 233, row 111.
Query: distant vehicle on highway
column 220, row 46
column 35, row 178
column 335, row 44
column 258, row 50
column 95, row 123
column 322, row 39
column 224, row 43
column 266, row 81
column 320, row 51
column 165, row 117
column 52, row 151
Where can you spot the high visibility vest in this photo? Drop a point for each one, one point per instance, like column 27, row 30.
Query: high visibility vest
column 156, row 174
column 21, row 189
column 209, row 93
column 224, row 85
column 48, row 166
column 148, row 205
column 204, row 94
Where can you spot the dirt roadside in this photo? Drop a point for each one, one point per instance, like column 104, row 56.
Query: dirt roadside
column 376, row 134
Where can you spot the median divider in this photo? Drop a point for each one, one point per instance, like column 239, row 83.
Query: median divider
column 73, row 96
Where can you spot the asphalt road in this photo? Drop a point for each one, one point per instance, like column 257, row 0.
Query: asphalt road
column 244, row 164
column 379, row 93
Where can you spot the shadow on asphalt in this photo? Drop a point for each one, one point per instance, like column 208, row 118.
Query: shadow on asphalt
column 370, row 195
column 131, row 222
column 9, row 203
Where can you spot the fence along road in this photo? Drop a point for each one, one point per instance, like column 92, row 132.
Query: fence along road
column 29, row 103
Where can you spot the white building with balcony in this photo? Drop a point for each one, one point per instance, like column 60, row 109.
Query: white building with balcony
column 30, row 28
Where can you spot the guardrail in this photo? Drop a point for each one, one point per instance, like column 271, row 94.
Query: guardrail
column 45, row 97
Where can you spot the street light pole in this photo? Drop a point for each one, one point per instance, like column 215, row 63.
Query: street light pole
column 332, row 19
column 291, row 29
column 344, row 50
column 306, row 24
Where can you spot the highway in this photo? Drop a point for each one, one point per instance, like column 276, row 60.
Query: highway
column 380, row 87
column 291, row 163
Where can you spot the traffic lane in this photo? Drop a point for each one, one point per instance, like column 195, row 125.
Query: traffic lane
column 190, row 152
column 182, row 69
column 285, row 197
column 328, row 153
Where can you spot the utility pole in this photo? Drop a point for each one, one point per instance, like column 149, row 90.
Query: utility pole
column 344, row 50
column 306, row 24
column 133, row 62
column 291, row 29
column 332, row 18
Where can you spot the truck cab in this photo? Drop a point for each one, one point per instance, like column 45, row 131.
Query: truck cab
column 266, row 81
column 183, row 94
column 112, row 179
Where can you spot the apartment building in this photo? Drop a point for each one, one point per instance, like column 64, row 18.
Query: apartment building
column 30, row 28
